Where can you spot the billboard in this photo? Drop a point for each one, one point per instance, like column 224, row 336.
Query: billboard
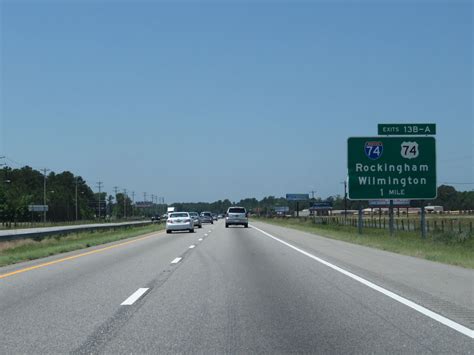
column 297, row 197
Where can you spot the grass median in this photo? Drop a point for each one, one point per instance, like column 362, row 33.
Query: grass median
column 12, row 252
column 449, row 248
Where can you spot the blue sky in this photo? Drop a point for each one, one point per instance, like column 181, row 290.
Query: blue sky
column 201, row 101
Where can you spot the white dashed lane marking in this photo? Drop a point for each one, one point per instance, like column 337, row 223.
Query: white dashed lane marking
column 134, row 297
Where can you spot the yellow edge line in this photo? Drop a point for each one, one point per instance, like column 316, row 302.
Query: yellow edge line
column 74, row 256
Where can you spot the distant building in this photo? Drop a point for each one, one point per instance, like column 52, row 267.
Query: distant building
column 434, row 209
column 321, row 209
column 303, row 213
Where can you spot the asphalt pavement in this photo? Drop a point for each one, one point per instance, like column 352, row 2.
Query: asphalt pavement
column 263, row 289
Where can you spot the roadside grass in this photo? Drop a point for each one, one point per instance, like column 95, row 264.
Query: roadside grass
column 28, row 225
column 12, row 252
column 449, row 248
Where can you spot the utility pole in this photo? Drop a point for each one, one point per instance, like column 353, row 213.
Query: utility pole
column 124, row 203
column 44, row 193
column 76, row 201
column 345, row 199
column 116, row 188
column 99, row 185
column 133, row 203
column 144, row 203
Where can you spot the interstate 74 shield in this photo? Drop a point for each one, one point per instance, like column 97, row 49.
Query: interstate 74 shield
column 373, row 149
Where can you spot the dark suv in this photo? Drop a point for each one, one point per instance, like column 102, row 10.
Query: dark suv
column 206, row 217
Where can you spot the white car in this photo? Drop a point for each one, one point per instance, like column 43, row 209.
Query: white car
column 179, row 221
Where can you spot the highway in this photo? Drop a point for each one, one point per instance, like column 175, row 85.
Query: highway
column 265, row 289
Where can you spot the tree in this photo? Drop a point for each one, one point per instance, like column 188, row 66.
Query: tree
column 447, row 197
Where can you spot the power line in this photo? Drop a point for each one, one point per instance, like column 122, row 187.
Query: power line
column 20, row 164
column 115, row 191
column 458, row 183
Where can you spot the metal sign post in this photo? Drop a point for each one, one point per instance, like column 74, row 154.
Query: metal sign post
column 390, row 216
column 423, row 222
column 297, row 198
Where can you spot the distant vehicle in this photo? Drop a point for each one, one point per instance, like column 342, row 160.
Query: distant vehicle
column 171, row 210
column 236, row 216
column 206, row 217
column 214, row 217
column 434, row 209
column 179, row 221
column 220, row 216
column 155, row 218
column 196, row 219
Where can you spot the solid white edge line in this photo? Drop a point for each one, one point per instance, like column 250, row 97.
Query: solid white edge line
column 176, row 260
column 134, row 297
column 435, row 316
column 192, row 246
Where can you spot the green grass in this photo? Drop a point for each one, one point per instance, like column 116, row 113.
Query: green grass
column 22, row 250
column 448, row 248
column 27, row 225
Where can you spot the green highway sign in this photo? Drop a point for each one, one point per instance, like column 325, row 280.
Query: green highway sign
column 391, row 168
column 403, row 129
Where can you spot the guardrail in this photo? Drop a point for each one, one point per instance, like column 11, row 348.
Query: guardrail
column 39, row 233
column 9, row 225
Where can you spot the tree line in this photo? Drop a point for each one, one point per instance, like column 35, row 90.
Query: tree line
column 20, row 188
column 448, row 197
column 24, row 186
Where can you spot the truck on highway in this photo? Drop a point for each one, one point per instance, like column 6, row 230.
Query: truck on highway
column 171, row 210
